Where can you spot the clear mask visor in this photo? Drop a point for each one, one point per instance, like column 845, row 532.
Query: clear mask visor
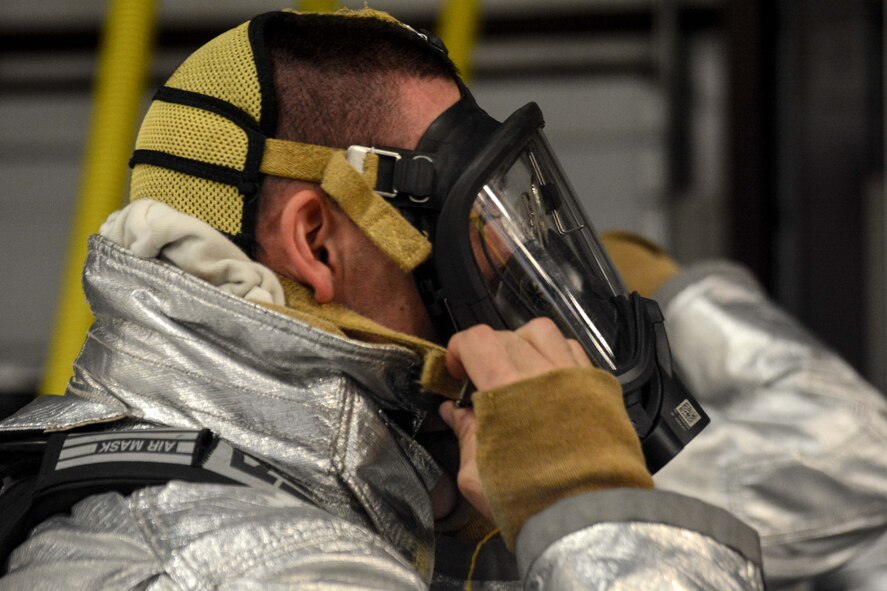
column 539, row 256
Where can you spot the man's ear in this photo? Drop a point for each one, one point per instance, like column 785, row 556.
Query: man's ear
column 306, row 227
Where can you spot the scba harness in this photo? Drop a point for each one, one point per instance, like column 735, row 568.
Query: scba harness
column 48, row 474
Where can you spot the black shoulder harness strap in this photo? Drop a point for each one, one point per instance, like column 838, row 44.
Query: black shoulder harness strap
column 77, row 465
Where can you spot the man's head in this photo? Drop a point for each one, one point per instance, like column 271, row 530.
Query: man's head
column 304, row 235
column 319, row 80
column 341, row 82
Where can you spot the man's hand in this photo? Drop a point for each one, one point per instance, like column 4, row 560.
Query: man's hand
column 491, row 359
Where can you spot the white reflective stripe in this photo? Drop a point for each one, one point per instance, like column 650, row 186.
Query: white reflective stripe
column 78, row 450
column 173, row 434
column 124, row 449
column 220, row 462
column 250, row 472
column 161, row 458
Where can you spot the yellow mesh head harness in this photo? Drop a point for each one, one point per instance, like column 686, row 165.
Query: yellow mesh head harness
column 205, row 144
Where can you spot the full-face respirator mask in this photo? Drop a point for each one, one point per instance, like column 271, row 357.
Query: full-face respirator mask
column 511, row 243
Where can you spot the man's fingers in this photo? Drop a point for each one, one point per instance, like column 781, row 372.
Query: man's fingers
column 493, row 358
column 480, row 354
column 544, row 335
column 464, row 424
column 448, row 412
column 454, row 362
column 579, row 353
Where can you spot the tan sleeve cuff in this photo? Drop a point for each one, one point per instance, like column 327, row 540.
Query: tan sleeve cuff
column 551, row 437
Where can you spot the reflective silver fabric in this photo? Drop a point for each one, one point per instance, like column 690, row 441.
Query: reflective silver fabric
column 169, row 349
column 614, row 548
column 797, row 445
column 187, row 536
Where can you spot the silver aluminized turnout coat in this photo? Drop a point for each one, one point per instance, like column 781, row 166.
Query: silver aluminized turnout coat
column 797, row 445
column 170, row 350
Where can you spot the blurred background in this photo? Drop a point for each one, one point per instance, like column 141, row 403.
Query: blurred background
column 743, row 129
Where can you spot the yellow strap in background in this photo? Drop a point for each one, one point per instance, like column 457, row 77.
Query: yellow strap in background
column 123, row 65
column 458, row 26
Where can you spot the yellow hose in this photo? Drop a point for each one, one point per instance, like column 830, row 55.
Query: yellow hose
column 458, row 27
column 123, row 67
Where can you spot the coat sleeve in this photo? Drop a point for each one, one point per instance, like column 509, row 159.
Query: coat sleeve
column 638, row 539
column 797, row 445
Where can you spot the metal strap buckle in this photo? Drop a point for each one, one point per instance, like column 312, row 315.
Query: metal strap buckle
column 356, row 157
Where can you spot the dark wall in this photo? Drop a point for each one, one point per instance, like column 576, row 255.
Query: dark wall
column 806, row 113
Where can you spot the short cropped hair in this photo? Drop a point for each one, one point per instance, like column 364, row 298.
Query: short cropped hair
column 336, row 77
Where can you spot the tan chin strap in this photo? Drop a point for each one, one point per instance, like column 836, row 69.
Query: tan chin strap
column 353, row 191
column 336, row 319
